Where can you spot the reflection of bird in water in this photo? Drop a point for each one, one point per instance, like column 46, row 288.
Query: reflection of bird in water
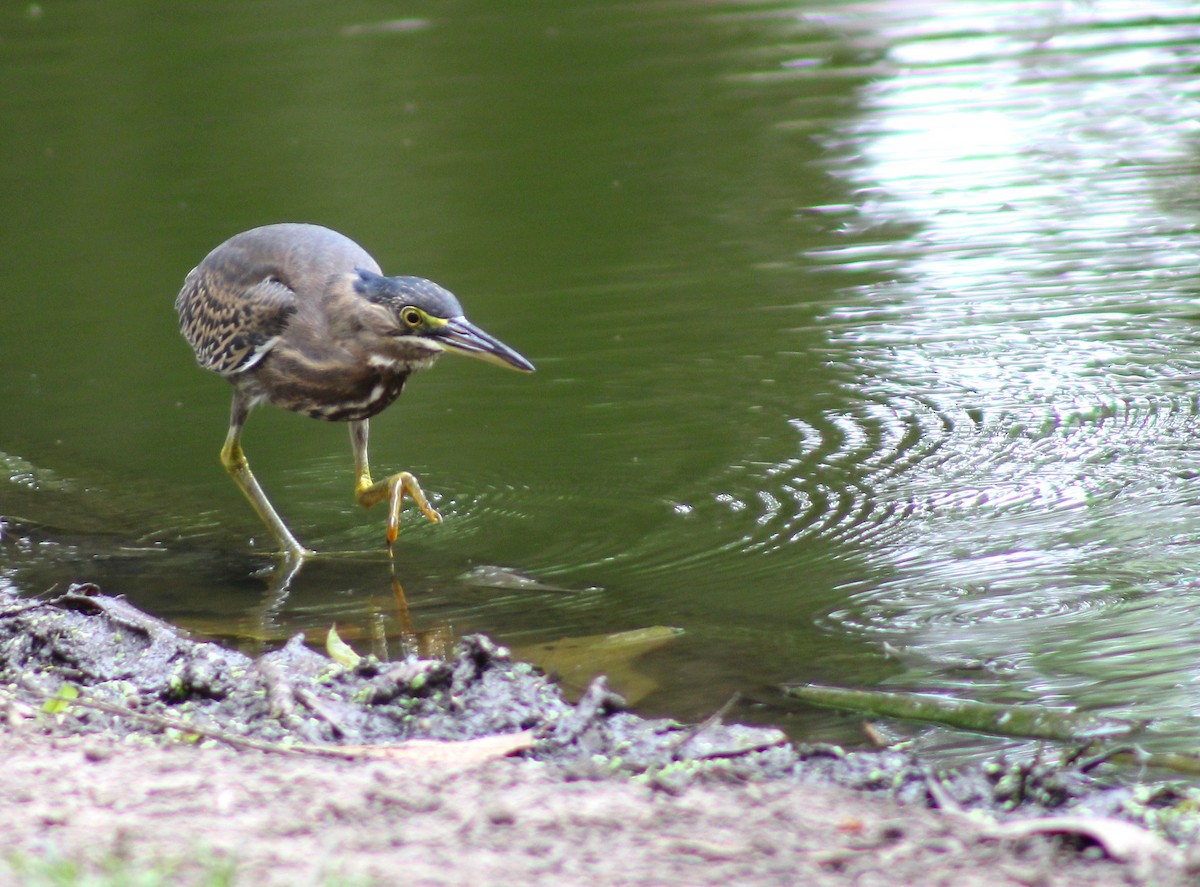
column 302, row 317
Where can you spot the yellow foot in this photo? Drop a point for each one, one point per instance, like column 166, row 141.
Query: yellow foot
column 394, row 490
column 402, row 483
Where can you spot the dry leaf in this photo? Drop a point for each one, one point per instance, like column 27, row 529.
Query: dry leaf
column 1121, row 840
column 461, row 753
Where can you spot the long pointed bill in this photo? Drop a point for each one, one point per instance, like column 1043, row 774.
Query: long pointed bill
column 460, row 335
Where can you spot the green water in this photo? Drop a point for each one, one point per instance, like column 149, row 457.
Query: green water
column 859, row 327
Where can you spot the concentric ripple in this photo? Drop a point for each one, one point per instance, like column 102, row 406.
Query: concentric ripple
column 1011, row 463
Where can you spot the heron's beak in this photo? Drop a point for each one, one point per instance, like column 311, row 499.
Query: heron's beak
column 460, row 335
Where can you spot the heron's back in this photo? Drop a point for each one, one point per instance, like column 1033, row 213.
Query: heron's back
column 238, row 300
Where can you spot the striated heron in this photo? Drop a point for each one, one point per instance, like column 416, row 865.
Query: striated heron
column 302, row 317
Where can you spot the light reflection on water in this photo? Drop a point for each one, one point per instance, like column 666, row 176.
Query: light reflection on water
column 1022, row 427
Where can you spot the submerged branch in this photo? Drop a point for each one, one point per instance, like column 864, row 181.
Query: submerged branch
column 1022, row 721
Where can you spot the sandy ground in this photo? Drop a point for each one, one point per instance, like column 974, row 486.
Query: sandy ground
column 276, row 819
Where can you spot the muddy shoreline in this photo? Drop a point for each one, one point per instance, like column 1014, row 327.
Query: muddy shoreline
column 129, row 743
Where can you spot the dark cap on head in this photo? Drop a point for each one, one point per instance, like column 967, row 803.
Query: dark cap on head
column 396, row 292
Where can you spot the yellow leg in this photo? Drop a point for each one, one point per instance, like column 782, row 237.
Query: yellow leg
column 234, row 460
column 394, row 488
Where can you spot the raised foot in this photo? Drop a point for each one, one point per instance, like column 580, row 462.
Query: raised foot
column 394, row 489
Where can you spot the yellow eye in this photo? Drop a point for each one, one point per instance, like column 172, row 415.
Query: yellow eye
column 412, row 317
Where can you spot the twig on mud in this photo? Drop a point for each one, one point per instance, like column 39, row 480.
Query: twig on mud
column 941, row 796
column 22, row 605
column 325, row 712
column 281, row 698
column 712, row 720
column 169, row 722
column 429, row 751
column 165, row 722
column 1121, row 840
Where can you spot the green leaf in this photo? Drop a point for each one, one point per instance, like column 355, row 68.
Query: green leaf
column 61, row 701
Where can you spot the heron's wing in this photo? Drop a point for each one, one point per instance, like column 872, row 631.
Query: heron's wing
column 232, row 316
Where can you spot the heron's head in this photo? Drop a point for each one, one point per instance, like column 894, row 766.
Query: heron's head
column 432, row 314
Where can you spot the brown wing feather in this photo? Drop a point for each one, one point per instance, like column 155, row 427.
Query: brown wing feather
column 231, row 325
